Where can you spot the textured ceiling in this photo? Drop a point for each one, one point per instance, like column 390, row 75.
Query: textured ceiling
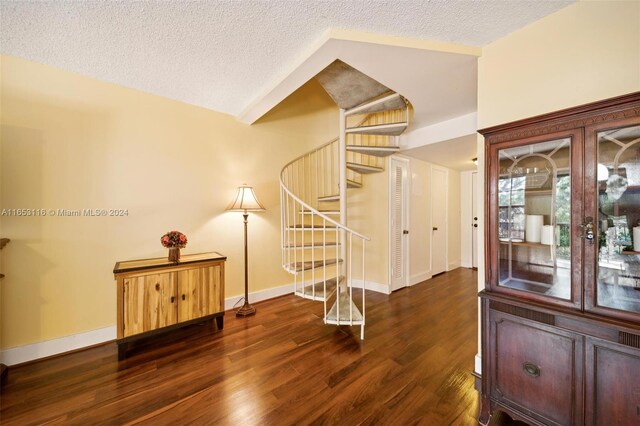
column 222, row 54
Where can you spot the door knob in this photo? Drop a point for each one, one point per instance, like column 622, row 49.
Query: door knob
column 475, row 225
column 435, row 229
column 405, row 232
column 475, row 218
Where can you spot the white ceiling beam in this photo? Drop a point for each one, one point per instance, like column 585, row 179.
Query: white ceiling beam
column 445, row 130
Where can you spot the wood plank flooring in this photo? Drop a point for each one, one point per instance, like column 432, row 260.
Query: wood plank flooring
column 280, row 367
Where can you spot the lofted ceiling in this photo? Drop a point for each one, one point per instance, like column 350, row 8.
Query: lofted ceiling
column 228, row 55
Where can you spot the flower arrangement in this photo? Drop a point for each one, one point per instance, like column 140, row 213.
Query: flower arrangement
column 174, row 239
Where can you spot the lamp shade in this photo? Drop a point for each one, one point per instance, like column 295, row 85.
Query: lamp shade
column 246, row 200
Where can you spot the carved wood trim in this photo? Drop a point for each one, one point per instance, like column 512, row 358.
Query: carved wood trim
column 567, row 119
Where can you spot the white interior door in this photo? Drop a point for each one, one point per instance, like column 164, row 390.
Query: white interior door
column 474, row 219
column 439, row 184
column 399, row 222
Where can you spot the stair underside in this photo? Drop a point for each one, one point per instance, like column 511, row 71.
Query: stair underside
column 391, row 129
column 378, row 151
column 382, row 103
column 347, row 86
column 349, row 313
column 308, row 265
column 316, row 291
column 363, row 168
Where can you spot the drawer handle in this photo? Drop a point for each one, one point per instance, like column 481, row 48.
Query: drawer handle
column 173, row 299
column 184, row 297
column 531, row 369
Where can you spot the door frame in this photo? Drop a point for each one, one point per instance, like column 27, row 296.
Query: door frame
column 446, row 218
column 406, row 164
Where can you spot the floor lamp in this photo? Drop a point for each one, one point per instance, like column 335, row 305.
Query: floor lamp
column 245, row 202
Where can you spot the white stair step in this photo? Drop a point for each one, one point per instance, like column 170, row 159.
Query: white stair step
column 329, row 198
column 308, row 265
column 363, row 168
column 385, row 103
column 378, row 151
column 353, row 184
column 391, row 129
column 311, row 245
column 325, row 212
column 316, row 291
column 304, row 227
column 349, row 313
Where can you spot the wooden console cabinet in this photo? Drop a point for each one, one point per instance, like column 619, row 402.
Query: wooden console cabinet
column 155, row 295
column 561, row 306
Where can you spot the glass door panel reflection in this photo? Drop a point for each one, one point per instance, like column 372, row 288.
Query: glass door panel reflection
column 618, row 223
column 534, row 211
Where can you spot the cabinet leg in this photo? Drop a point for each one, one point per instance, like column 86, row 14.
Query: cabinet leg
column 485, row 413
column 220, row 322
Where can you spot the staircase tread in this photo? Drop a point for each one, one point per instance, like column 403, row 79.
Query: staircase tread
column 307, row 265
column 316, row 291
column 344, row 318
column 311, row 245
column 309, row 227
column 389, row 129
column 363, row 168
column 334, row 197
column 353, row 184
column 386, row 102
column 377, row 151
column 327, row 212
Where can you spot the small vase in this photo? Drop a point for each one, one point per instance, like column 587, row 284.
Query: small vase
column 174, row 254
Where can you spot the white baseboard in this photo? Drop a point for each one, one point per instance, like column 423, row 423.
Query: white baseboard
column 20, row 354
column 259, row 296
column 453, row 265
column 373, row 286
column 478, row 364
column 418, row 278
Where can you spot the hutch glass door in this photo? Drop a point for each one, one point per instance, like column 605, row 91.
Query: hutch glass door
column 618, row 218
column 534, row 196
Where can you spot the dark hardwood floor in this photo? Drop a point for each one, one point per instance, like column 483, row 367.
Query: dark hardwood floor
column 280, row 367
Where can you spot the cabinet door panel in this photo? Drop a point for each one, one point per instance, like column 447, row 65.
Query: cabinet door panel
column 199, row 292
column 148, row 302
column 614, row 204
column 532, row 210
column 537, row 370
column 613, row 384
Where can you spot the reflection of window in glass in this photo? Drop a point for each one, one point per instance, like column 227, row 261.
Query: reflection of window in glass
column 563, row 215
column 511, row 207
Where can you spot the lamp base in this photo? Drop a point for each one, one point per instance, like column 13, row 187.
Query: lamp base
column 246, row 310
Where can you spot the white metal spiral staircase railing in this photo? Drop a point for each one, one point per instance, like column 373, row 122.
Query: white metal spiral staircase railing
column 326, row 257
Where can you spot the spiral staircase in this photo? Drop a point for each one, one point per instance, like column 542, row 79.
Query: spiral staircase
column 326, row 256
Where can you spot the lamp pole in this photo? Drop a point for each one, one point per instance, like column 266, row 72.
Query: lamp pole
column 246, row 309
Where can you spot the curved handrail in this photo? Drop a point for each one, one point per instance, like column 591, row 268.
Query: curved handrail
column 307, row 206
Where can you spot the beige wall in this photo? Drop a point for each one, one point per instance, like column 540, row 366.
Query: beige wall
column 583, row 53
column 453, row 219
column 368, row 214
column 71, row 142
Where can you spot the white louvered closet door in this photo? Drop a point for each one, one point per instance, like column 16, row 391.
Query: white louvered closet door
column 399, row 226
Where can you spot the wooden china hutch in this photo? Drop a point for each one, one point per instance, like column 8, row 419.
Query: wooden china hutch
column 561, row 305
